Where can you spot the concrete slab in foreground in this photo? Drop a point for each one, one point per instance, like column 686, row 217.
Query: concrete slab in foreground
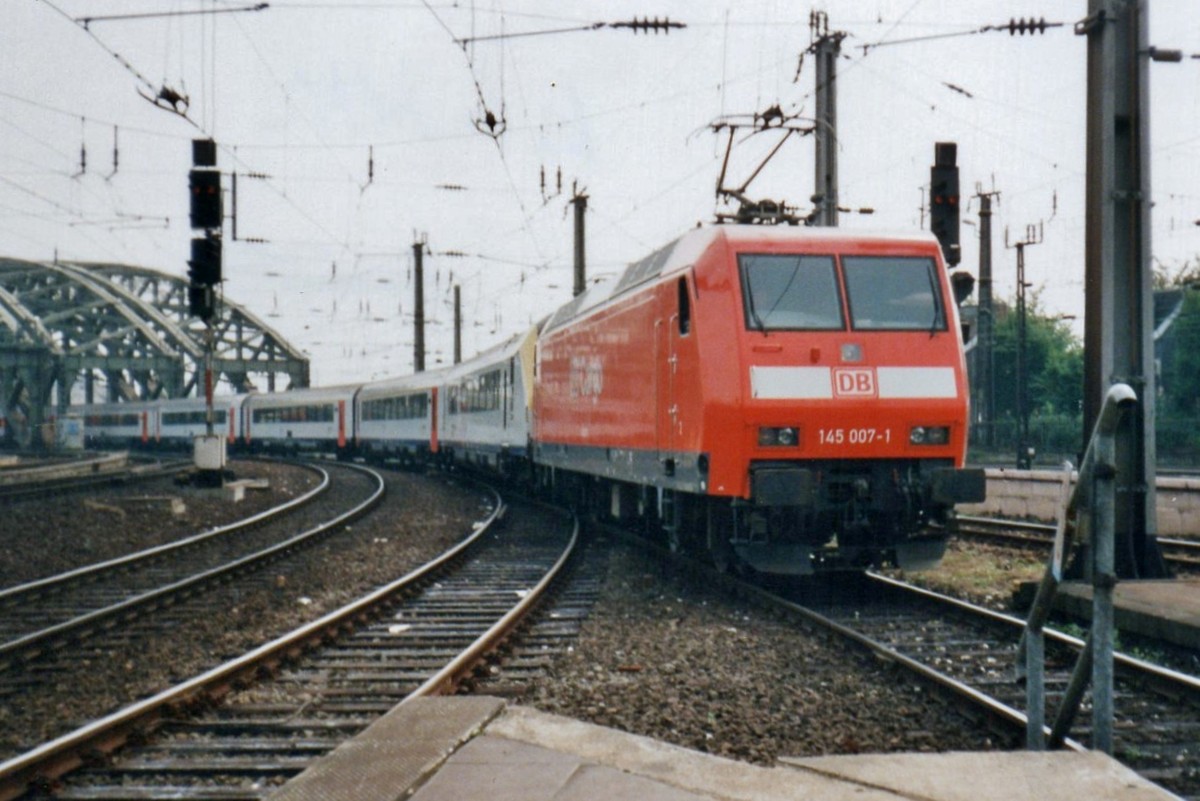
column 988, row 776
column 453, row 749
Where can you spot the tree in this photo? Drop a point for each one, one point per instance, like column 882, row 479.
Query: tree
column 1053, row 363
column 1181, row 359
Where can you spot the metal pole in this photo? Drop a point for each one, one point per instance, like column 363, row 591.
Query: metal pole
column 1118, row 324
column 1104, row 580
column 208, row 380
column 826, row 48
column 580, row 202
column 1023, row 461
column 457, row 324
column 233, row 211
column 985, row 358
column 1033, row 236
column 1073, row 695
column 419, row 305
column 1035, row 689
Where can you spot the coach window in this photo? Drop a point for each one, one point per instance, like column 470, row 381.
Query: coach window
column 685, row 308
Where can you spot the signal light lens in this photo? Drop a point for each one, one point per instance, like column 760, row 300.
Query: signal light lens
column 778, row 437
column 929, row 435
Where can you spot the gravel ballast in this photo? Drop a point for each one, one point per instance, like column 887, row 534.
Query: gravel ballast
column 420, row 518
column 44, row 537
column 688, row 666
column 657, row 657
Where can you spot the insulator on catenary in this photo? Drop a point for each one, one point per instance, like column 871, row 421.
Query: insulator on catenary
column 1023, row 25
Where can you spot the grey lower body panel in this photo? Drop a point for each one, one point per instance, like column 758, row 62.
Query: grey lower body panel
column 680, row 471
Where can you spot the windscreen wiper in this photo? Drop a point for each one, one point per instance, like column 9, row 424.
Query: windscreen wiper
column 754, row 318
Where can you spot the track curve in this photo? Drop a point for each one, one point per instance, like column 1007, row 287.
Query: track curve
column 43, row 615
column 419, row 634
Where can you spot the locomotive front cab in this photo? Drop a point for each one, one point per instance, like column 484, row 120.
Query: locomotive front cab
column 854, row 405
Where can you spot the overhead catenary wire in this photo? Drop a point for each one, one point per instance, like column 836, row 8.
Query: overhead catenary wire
column 170, row 98
column 87, row 21
column 643, row 25
column 333, row 238
column 312, row 173
column 1013, row 26
column 98, row 120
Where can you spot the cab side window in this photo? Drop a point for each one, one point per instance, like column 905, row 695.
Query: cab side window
column 685, row 308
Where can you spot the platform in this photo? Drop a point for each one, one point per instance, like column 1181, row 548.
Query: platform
column 455, row 749
column 1167, row 610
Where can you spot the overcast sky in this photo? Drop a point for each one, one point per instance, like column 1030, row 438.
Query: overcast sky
column 364, row 118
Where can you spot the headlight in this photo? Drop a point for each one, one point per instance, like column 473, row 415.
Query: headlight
column 929, row 435
column 782, row 437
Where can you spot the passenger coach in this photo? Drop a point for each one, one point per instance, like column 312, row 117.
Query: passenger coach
column 484, row 407
column 181, row 420
column 397, row 418
column 301, row 419
column 119, row 424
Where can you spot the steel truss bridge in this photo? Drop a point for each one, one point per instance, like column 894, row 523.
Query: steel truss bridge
column 96, row 332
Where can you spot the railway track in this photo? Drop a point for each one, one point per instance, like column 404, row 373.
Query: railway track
column 1180, row 553
column 421, row 634
column 969, row 652
column 41, row 617
column 45, row 480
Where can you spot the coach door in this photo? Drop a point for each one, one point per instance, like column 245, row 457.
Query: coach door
column 506, row 382
column 433, row 420
column 341, row 423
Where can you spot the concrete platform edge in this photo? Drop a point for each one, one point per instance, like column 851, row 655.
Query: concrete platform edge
column 1176, row 622
column 692, row 771
column 478, row 747
column 988, row 776
column 396, row 754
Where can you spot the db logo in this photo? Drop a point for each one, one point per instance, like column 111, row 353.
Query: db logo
column 854, row 382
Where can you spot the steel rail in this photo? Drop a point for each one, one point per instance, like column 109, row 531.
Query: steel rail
column 30, row 645
column 59, row 579
column 136, row 472
column 1006, row 715
column 1006, row 530
column 1160, row 682
column 1184, row 681
column 993, row 708
column 114, row 462
column 446, row 679
column 51, row 760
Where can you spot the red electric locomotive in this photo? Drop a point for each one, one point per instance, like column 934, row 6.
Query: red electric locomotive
column 786, row 398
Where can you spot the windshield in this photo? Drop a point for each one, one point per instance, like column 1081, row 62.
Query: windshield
column 790, row 292
column 894, row 293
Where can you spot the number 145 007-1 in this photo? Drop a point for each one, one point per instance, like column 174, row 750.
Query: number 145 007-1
column 854, row 436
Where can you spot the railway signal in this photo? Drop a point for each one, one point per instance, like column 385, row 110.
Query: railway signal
column 205, row 265
column 204, row 186
column 943, row 200
column 205, row 213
